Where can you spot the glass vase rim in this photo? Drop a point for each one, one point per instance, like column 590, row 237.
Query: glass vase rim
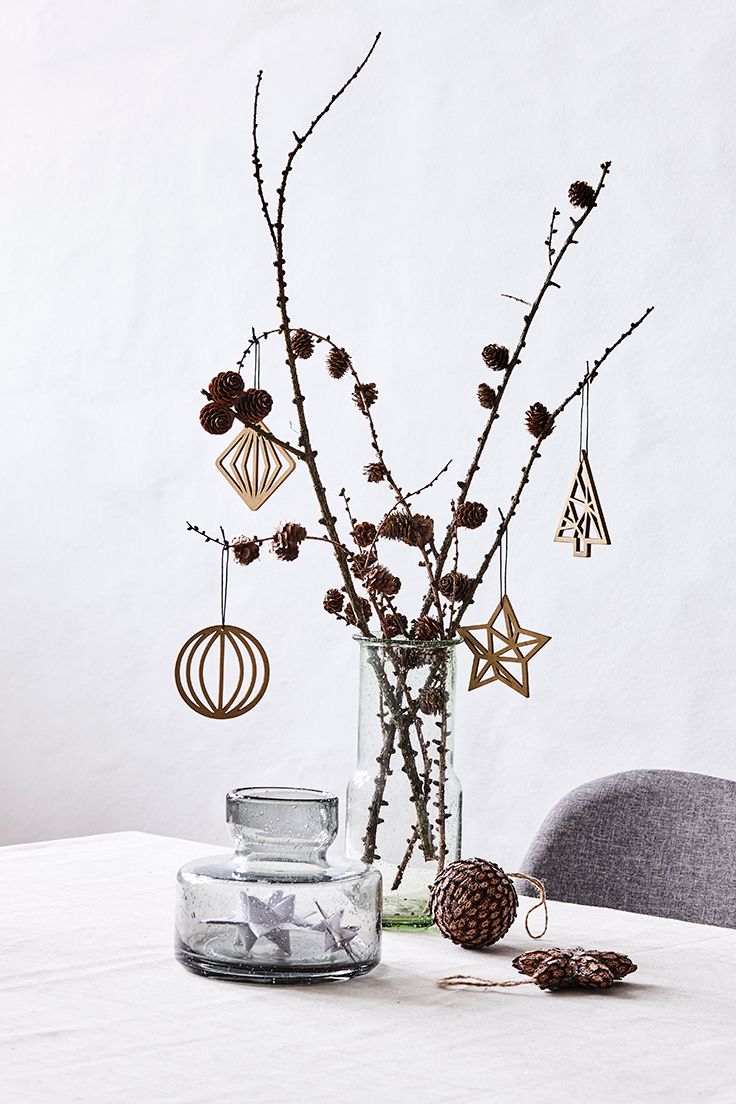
column 405, row 642
column 289, row 794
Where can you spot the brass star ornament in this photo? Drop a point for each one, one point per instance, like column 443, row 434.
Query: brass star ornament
column 502, row 649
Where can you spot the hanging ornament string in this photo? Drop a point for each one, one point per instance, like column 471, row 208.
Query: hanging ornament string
column 224, row 573
column 503, row 560
column 256, row 360
column 585, row 411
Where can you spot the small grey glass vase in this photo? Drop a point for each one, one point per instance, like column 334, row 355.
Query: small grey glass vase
column 278, row 910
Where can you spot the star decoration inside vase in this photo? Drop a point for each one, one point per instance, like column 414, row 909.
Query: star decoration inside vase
column 337, row 936
column 559, row 968
column 256, row 919
column 275, row 919
column 501, row 652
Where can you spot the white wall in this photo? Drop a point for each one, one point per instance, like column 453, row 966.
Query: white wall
column 133, row 266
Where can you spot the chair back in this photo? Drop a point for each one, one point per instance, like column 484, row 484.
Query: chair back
column 654, row 841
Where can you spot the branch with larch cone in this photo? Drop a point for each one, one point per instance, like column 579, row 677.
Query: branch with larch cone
column 367, row 588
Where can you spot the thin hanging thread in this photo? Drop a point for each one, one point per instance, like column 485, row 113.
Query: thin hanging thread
column 585, row 410
column 256, row 360
column 224, row 572
column 503, row 560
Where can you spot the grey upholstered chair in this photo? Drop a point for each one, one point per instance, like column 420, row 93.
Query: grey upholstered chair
column 655, row 841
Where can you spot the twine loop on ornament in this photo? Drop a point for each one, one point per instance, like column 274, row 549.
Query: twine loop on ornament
column 469, row 981
column 541, row 903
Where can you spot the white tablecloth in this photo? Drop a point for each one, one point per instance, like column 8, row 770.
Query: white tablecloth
column 94, row 1008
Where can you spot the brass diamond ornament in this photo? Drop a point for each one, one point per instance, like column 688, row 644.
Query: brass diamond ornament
column 255, row 466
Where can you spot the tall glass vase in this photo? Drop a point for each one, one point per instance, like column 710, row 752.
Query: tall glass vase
column 404, row 806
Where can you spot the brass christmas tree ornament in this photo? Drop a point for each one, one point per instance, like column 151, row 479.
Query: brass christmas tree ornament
column 255, row 466
column 582, row 523
column 501, row 652
column 222, row 671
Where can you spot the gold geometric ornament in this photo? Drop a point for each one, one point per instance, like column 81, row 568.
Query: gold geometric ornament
column 222, row 672
column 255, row 466
column 502, row 653
column 582, row 523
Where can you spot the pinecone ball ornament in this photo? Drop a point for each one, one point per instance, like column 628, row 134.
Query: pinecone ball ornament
column 563, row 968
column 253, row 405
column 473, row 902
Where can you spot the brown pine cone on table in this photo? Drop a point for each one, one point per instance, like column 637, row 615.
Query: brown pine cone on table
column 471, row 515
column 426, row 628
column 245, row 550
column 364, row 533
column 225, row 387
column 379, row 580
column 254, row 405
column 365, row 607
column 338, row 363
column 581, row 194
column 486, row 396
column 539, row 421
column 473, row 902
column 216, row 418
column 303, row 344
column 286, row 541
column 496, row 357
column 561, row 968
column 333, row 600
column 454, row 585
column 364, row 396
column 375, row 473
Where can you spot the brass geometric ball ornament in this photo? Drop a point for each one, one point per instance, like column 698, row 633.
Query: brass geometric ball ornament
column 222, row 672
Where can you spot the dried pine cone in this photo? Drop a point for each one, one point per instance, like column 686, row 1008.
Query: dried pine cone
column 422, row 530
column 364, row 395
column 364, row 533
column 333, row 600
column 473, row 902
column 394, row 624
column 380, row 580
column 426, row 628
column 560, row 968
column 538, row 420
column 581, row 194
column 338, row 363
column 374, row 473
column 496, row 357
column 365, row 607
column 486, row 396
column 454, row 585
column 303, row 344
column 471, row 515
column 432, row 700
column 225, row 387
column 396, row 526
column 245, row 550
column 254, row 405
column 216, row 418
column 286, row 540
column 361, row 564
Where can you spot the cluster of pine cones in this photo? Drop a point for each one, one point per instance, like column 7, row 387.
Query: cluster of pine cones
column 230, row 399
column 285, row 544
